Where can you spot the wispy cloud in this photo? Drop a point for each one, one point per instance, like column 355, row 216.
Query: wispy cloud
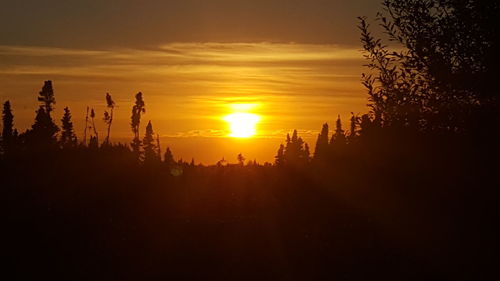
column 298, row 85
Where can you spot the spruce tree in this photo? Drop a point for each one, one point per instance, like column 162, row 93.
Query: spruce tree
column 338, row 138
column 294, row 153
column 168, row 158
column 43, row 131
column 138, row 109
column 353, row 131
column 279, row 159
column 8, row 128
column 321, row 149
column 150, row 150
column 46, row 97
column 68, row 138
column 307, row 154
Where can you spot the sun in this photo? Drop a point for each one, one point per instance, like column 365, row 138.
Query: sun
column 242, row 125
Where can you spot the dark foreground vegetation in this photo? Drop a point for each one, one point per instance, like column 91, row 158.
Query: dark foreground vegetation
column 408, row 192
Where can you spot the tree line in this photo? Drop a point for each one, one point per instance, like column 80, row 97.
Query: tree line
column 441, row 82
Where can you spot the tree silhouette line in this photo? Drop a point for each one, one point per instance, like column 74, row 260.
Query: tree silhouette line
column 406, row 191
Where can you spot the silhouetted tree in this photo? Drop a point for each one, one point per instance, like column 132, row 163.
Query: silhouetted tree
column 367, row 127
column 221, row 162
column 92, row 119
column 43, row 131
column 353, row 132
column 86, row 127
column 241, row 159
column 46, row 97
column 150, row 149
column 294, row 150
column 279, row 159
column 307, row 152
column 446, row 69
column 8, row 135
column 168, row 158
column 68, row 137
column 338, row 138
column 158, row 147
column 137, row 110
column 108, row 116
column 321, row 149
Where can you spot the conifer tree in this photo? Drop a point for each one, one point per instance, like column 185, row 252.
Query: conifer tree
column 43, row 131
column 86, row 127
column 353, row 131
column 321, row 149
column 168, row 158
column 150, row 150
column 158, row 147
column 294, row 153
column 279, row 159
column 46, row 97
column 8, row 127
column 307, row 153
column 68, row 138
column 338, row 138
column 138, row 109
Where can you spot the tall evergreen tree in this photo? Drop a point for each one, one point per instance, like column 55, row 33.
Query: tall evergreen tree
column 108, row 116
column 168, row 158
column 321, row 149
column 279, row 159
column 294, row 151
column 86, row 127
column 353, row 125
column 138, row 109
column 43, row 131
column 68, row 137
column 8, row 127
column 46, row 97
column 338, row 138
column 307, row 153
column 150, row 149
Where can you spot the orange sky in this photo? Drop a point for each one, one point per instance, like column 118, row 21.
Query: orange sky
column 298, row 62
column 189, row 87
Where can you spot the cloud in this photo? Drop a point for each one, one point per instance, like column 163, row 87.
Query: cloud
column 296, row 85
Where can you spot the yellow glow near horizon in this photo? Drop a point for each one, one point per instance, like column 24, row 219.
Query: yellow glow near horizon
column 242, row 125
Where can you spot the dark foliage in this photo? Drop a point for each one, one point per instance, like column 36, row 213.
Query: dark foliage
column 68, row 137
column 108, row 116
column 9, row 134
column 443, row 79
column 410, row 192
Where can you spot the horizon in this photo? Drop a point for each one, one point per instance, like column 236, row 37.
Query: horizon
column 189, row 88
column 299, row 61
column 319, row 139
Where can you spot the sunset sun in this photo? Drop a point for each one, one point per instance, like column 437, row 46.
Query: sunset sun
column 242, row 125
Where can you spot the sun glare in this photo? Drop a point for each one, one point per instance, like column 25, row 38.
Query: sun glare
column 242, row 125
